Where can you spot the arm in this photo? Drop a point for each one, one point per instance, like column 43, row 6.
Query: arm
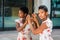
column 35, row 19
column 36, row 22
column 34, row 25
column 20, row 28
column 39, row 29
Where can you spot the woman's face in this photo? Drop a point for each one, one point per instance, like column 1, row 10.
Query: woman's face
column 21, row 14
column 42, row 14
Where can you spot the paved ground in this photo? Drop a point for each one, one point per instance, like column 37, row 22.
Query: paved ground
column 12, row 35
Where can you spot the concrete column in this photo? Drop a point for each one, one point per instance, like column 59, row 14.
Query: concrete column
column 29, row 4
column 37, row 3
column 48, row 4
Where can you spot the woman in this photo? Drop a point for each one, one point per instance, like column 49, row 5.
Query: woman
column 45, row 29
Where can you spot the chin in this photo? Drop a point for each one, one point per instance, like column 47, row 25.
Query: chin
column 41, row 18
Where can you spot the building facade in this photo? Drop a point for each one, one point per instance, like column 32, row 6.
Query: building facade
column 9, row 10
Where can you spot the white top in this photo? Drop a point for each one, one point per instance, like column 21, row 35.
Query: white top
column 26, row 32
column 46, row 34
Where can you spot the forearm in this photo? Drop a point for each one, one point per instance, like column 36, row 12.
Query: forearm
column 39, row 29
column 37, row 23
column 32, row 27
column 35, row 31
column 20, row 28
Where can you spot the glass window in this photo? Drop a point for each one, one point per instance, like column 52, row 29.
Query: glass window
column 11, row 8
column 9, row 12
column 56, row 12
column 1, row 15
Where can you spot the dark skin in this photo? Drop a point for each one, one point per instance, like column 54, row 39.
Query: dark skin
column 20, row 28
column 21, row 15
column 34, row 23
column 35, row 20
column 43, row 15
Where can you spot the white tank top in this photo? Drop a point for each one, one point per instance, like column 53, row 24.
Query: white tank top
column 46, row 34
column 26, row 32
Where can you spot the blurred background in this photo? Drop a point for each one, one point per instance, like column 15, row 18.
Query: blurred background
column 9, row 11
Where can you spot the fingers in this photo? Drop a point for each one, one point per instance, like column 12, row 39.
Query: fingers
column 31, row 19
column 28, row 17
column 34, row 15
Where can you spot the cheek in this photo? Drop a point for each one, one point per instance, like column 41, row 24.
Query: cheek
column 20, row 15
column 41, row 15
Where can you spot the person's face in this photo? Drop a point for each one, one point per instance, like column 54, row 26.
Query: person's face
column 21, row 14
column 42, row 14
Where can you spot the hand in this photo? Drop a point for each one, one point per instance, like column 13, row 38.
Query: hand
column 34, row 17
column 26, row 21
column 29, row 18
